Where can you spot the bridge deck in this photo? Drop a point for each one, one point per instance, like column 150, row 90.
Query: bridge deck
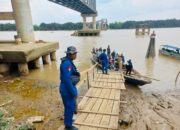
column 99, row 108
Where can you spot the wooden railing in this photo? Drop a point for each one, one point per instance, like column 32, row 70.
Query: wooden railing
column 86, row 76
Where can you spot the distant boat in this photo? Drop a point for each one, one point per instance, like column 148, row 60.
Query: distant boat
column 170, row 51
column 135, row 78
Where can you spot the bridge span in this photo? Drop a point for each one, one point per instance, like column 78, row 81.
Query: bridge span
column 87, row 8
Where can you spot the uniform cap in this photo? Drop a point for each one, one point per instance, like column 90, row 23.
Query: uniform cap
column 71, row 50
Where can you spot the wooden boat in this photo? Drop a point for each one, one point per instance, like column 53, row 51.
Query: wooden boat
column 135, row 78
column 169, row 50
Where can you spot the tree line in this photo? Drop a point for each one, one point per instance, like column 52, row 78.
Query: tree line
column 116, row 25
column 169, row 23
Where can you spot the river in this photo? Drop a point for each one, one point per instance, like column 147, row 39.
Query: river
column 123, row 41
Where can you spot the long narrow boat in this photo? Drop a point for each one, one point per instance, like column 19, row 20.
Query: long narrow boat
column 135, row 78
column 170, row 50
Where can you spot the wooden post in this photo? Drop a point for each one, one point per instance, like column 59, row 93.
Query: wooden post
column 93, row 73
column 88, row 79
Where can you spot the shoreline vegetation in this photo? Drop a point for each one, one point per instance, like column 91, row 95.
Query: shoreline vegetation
column 168, row 23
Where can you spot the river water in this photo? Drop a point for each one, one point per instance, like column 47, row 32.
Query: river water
column 123, row 41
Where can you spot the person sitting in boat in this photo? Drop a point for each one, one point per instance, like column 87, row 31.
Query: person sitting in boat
column 104, row 61
column 129, row 67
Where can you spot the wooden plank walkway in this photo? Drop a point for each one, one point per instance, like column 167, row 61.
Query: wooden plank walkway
column 99, row 108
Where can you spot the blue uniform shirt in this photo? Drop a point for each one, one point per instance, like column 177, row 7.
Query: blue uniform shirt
column 66, row 87
column 103, row 57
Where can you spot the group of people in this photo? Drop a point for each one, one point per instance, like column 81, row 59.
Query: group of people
column 70, row 76
column 111, row 60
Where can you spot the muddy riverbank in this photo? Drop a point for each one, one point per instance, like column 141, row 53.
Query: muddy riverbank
column 143, row 111
column 150, row 111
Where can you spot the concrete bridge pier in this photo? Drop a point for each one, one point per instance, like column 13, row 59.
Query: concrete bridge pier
column 23, row 69
column 36, row 63
column 151, row 48
column 94, row 22
column 45, row 59
column 84, row 23
column 53, row 56
column 88, row 31
column 23, row 19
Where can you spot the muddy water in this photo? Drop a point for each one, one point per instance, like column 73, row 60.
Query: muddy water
column 123, row 41
column 42, row 98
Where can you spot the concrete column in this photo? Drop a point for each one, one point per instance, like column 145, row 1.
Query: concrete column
column 36, row 63
column 151, row 48
column 53, row 56
column 23, row 19
column 94, row 22
column 84, row 23
column 45, row 59
column 23, row 69
column 4, row 68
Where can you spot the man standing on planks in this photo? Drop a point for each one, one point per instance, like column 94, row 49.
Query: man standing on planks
column 69, row 77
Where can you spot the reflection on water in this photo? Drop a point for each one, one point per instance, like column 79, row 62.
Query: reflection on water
column 123, row 41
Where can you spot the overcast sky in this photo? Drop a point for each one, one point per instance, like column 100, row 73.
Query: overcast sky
column 113, row 10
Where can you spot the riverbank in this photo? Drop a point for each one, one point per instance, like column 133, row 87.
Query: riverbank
column 22, row 98
column 143, row 111
column 31, row 98
column 150, row 111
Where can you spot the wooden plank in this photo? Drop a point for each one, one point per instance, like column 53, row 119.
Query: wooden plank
column 109, row 107
column 97, row 105
column 114, row 122
column 115, row 108
column 100, row 113
column 117, row 95
column 83, row 102
column 98, row 126
column 90, row 91
column 98, row 92
column 103, row 105
column 105, row 121
column 103, row 92
column 112, row 94
column 90, row 104
column 81, row 117
column 107, row 98
column 106, row 87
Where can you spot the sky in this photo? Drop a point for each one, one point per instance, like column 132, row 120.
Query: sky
column 113, row 10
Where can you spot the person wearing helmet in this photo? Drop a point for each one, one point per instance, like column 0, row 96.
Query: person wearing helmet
column 69, row 77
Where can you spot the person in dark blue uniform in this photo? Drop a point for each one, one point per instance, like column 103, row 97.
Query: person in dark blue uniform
column 129, row 67
column 68, row 91
column 104, row 60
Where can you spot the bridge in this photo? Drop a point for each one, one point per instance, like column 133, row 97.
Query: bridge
column 87, row 8
column 29, row 52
